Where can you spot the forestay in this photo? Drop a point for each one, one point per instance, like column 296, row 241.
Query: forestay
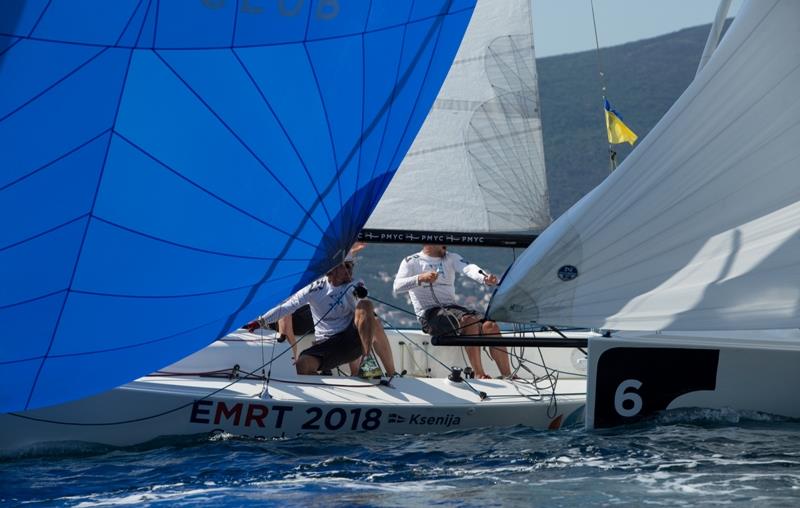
column 477, row 164
column 698, row 228
column 170, row 169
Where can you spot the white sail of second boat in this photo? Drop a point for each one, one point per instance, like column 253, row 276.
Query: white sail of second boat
column 699, row 228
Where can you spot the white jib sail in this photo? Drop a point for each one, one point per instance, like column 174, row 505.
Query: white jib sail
column 477, row 164
column 699, row 228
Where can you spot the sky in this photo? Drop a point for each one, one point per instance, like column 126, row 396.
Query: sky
column 565, row 26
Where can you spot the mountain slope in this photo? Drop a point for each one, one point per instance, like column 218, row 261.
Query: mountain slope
column 644, row 78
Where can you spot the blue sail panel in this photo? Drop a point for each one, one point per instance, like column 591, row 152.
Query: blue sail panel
column 83, row 27
column 295, row 99
column 24, row 376
column 265, row 23
column 60, row 192
column 393, row 14
column 132, row 35
column 19, row 17
column 40, row 265
column 64, row 371
column 250, row 115
column 179, row 167
column 89, row 95
column 340, row 100
column 110, row 331
column 181, row 24
column 31, row 324
column 139, row 265
column 22, row 80
column 382, row 71
column 143, row 197
column 172, row 124
column 336, row 18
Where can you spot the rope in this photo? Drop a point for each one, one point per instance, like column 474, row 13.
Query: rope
column 612, row 155
column 182, row 406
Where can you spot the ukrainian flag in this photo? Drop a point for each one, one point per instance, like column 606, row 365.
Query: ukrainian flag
column 618, row 132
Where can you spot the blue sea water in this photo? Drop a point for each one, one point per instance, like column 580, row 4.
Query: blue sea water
column 685, row 458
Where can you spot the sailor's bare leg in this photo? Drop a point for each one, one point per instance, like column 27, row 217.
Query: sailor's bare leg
column 307, row 364
column 355, row 365
column 364, row 323
column 471, row 326
column 382, row 348
column 499, row 353
column 285, row 327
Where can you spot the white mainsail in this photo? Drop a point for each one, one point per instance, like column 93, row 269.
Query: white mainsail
column 699, row 228
column 477, row 164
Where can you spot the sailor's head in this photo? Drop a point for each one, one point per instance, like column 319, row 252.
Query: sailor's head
column 435, row 250
column 341, row 273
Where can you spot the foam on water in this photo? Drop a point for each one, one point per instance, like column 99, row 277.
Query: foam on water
column 679, row 458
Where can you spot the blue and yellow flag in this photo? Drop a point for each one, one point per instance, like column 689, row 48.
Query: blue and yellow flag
column 618, row 132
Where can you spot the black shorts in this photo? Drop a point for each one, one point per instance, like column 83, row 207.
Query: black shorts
column 342, row 347
column 445, row 320
column 302, row 322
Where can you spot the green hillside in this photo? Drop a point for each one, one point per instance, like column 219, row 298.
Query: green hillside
column 643, row 79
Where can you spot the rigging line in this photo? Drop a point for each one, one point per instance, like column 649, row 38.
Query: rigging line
column 182, row 406
column 611, row 153
column 522, row 360
column 480, row 394
column 391, row 327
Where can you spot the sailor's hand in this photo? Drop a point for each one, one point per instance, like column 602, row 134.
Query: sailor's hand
column 357, row 247
column 252, row 326
column 490, row 280
column 427, row 277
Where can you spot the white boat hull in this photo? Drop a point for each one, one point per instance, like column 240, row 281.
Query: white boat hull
column 153, row 407
column 632, row 376
column 180, row 402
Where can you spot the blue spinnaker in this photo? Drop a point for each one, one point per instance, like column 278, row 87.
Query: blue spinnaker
column 171, row 169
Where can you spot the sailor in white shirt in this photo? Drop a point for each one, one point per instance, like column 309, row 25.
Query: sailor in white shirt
column 345, row 329
column 429, row 278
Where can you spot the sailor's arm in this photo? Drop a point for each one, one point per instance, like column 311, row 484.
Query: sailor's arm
column 474, row 271
column 286, row 308
column 406, row 278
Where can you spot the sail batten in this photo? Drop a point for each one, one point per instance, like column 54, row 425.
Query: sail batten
column 698, row 229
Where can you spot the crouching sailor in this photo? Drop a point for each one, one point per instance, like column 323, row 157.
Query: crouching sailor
column 343, row 327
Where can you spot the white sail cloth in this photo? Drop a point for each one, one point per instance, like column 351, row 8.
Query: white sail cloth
column 698, row 228
column 477, row 164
